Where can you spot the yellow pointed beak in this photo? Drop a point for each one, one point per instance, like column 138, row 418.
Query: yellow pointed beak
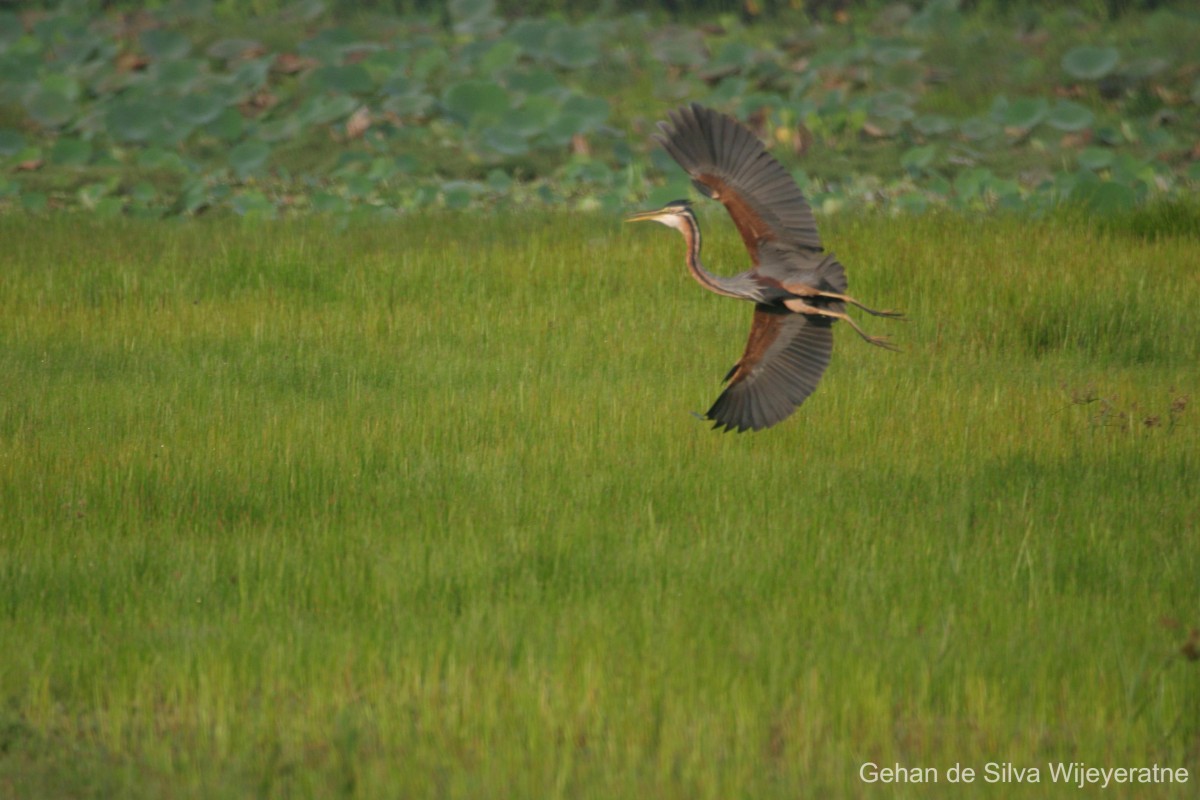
column 642, row 216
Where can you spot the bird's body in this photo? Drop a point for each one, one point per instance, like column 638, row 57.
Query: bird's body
column 798, row 289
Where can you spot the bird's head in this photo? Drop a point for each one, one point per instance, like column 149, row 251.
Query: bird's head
column 674, row 214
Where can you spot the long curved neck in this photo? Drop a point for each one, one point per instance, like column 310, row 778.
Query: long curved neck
column 729, row 287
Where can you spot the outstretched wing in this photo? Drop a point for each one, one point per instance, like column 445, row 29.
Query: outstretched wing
column 728, row 163
column 784, row 359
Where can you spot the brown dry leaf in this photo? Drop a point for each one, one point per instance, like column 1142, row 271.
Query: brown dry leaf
column 802, row 139
column 258, row 103
column 1074, row 91
column 1034, row 38
column 1168, row 95
column 290, row 63
column 1191, row 648
column 30, row 165
column 874, row 131
column 131, row 62
column 580, row 146
column 1016, row 133
column 254, row 51
column 1080, row 139
column 358, row 123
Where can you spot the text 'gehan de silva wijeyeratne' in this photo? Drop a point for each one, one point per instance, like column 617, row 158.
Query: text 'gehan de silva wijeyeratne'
column 1076, row 773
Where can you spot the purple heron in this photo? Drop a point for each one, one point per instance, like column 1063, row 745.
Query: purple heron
column 798, row 289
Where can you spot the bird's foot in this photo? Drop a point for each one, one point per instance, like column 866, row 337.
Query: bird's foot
column 882, row 341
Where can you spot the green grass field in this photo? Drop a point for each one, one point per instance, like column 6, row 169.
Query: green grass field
column 418, row 509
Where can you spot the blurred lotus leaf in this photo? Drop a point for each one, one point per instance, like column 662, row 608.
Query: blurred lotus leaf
column 201, row 108
column 578, row 115
column 499, row 181
column 505, row 141
column 248, row 158
column 474, row 17
column 11, row 29
column 179, row 76
column 351, row 79
column 1095, row 158
column 534, row 81
column 411, row 102
column 533, row 35
column 1090, row 63
column 458, row 194
column 50, row 107
column 1024, row 113
column 159, row 158
column 253, row 204
column 894, row 104
column 932, row 124
column 534, row 116
column 162, row 44
column 386, row 64
column 251, row 75
column 891, row 54
column 53, row 30
column 734, row 55
column 278, row 130
column 1068, row 115
column 679, row 46
column 184, row 10
column 1129, row 169
column 429, row 62
column 133, row 120
column 303, row 10
column 935, row 16
column 972, row 183
column 473, row 100
column 71, row 151
column 918, row 160
column 406, row 97
column 728, row 90
column 330, row 45
column 323, row 109
column 326, row 203
column 11, row 142
column 1107, row 197
column 1145, row 67
column 91, row 194
column 228, row 125
column 977, row 128
column 501, row 55
column 193, row 196
column 234, row 49
column 573, row 48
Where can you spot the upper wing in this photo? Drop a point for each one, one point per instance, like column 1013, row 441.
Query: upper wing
column 728, row 163
column 784, row 359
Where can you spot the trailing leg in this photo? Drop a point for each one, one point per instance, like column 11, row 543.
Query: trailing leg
column 800, row 307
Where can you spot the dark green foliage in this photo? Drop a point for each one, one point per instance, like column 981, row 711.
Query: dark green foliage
column 908, row 107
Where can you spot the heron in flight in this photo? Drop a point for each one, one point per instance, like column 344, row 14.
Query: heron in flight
column 798, row 289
